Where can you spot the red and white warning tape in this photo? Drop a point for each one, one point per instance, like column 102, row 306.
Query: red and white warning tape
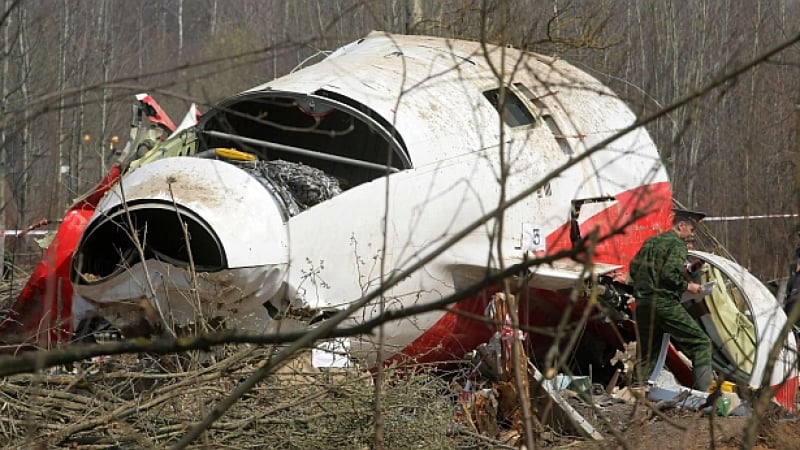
column 6, row 233
column 764, row 216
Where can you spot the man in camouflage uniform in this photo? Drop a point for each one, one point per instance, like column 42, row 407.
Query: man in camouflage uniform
column 658, row 284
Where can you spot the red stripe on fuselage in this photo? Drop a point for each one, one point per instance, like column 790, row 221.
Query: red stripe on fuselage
column 454, row 334
column 653, row 202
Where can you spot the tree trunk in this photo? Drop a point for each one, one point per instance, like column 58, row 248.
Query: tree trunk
column 414, row 19
column 27, row 149
column 180, row 31
column 746, row 257
column 62, row 137
column 140, row 41
column 214, row 6
column 106, row 58
column 696, row 79
column 3, row 100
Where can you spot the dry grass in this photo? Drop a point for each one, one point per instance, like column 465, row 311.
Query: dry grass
column 9, row 289
column 130, row 402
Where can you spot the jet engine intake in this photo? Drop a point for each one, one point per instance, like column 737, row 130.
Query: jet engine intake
column 182, row 241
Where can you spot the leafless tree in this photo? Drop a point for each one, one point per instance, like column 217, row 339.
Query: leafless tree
column 732, row 151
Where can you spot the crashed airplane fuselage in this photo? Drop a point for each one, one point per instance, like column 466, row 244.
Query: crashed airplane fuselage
column 297, row 197
column 398, row 143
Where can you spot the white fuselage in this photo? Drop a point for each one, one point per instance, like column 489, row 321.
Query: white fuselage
column 442, row 100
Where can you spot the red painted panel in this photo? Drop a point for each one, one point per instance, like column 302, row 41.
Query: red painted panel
column 42, row 314
column 454, row 335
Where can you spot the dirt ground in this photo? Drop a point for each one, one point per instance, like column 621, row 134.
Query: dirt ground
column 686, row 430
column 634, row 427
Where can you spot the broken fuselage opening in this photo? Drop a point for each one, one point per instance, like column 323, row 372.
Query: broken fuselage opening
column 310, row 147
column 175, row 218
column 153, row 229
column 325, row 130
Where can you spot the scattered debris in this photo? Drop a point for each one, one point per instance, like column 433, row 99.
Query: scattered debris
column 333, row 353
column 491, row 406
column 566, row 405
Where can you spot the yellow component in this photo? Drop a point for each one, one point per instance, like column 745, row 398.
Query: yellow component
column 727, row 386
column 729, row 329
column 233, row 154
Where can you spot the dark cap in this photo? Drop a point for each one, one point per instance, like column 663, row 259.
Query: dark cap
column 684, row 215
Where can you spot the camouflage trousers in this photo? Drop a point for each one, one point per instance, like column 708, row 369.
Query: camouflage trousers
column 659, row 316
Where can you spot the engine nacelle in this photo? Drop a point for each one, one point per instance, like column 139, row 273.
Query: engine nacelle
column 209, row 239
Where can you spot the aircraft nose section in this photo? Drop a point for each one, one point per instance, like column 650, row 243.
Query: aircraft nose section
column 181, row 239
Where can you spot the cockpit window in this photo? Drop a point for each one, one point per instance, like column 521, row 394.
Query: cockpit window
column 514, row 112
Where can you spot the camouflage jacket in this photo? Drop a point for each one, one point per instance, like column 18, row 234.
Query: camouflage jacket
column 657, row 268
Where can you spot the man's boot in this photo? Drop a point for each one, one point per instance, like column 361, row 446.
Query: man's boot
column 703, row 375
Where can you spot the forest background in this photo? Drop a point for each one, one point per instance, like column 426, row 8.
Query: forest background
column 69, row 70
